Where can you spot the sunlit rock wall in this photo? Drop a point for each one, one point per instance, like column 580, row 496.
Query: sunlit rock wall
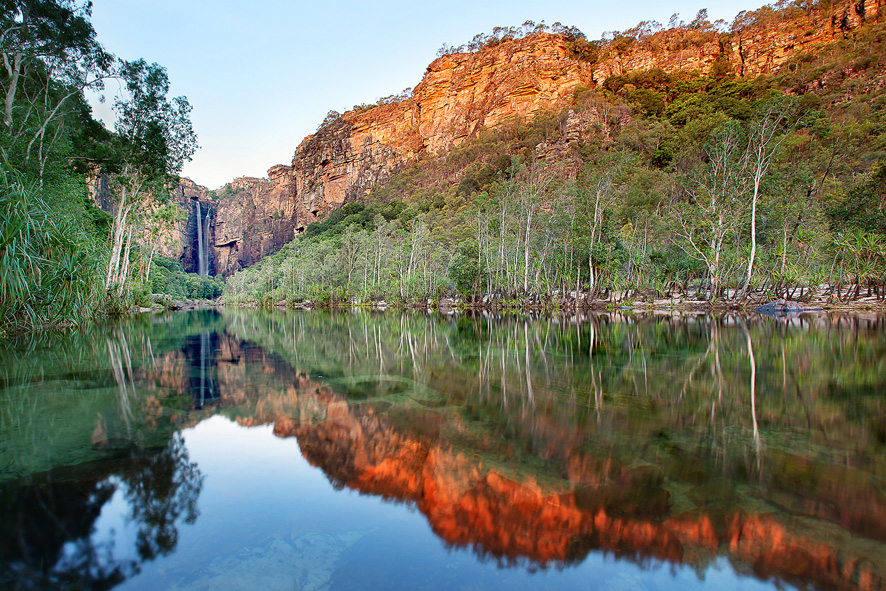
column 462, row 93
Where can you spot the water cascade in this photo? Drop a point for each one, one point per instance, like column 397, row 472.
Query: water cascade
column 205, row 256
column 201, row 270
column 202, row 239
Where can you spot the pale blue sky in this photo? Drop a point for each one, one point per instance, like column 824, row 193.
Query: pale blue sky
column 261, row 75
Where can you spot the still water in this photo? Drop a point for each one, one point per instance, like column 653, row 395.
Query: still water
column 301, row 450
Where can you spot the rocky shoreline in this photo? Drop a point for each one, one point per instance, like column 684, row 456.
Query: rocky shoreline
column 780, row 308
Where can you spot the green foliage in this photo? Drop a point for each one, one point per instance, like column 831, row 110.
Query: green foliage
column 580, row 47
column 464, row 269
column 173, row 265
column 50, row 56
column 168, row 277
column 583, row 50
column 488, row 217
column 684, row 97
column 649, row 102
column 55, row 241
column 48, row 260
column 864, row 207
column 357, row 215
column 155, row 133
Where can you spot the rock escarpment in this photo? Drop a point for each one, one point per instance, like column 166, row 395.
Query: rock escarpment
column 459, row 95
column 255, row 218
column 761, row 42
column 462, row 93
column 244, row 221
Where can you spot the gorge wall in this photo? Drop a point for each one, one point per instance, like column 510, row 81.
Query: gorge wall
column 185, row 245
column 462, row 93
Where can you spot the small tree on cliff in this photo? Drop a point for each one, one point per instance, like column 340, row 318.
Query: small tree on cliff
column 154, row 140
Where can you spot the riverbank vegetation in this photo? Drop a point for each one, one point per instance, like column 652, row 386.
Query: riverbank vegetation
column 62, row 259
column 168, row 277
column 679, row 187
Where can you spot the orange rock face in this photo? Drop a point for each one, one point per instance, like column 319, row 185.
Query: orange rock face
column 761, row 45
column 469, row 506
column 464, row 92
column 255, row 218
column 459, row 95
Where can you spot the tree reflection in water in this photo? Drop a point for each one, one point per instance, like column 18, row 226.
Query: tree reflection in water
column 688, row 440
column 48, row 538
column 652, row 438
column 159, row 490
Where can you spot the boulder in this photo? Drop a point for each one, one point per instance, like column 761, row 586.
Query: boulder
column 783, row 307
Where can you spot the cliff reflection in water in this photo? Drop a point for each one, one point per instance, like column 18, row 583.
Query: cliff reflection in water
column 645, row 438
column 82, row 430
column 201, row 358
column 532, row 442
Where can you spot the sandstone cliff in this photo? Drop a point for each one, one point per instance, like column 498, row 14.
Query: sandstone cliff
column 462, row 93
column 256, row 217
column 180, row 241
column 459, row 95
column 247, row 219
column 761, row 42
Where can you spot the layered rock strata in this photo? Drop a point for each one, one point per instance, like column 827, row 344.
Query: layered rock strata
column 462, row 93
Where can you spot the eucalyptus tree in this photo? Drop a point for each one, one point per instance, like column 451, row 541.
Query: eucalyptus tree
column 600, row 186
column 531, row 194
column 410, row 256
column 381, row 245
column 766, row 134
column 564, row 220
column 482, row 222
column 503, row 196
column 350, row 252
column 50, row 57
column 716, row 187
column 154, row 139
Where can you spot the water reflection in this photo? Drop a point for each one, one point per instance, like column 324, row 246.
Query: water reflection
column 675, row 440
column 47, row 534
column 200, row 351
column 533, row 443
column 513, row 518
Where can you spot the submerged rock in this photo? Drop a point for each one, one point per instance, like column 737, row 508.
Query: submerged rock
column 782, row 307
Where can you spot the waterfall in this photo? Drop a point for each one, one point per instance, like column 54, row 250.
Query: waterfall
column 199, row 241
column 206, row 242
column 203, row 238
column 201, row 268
